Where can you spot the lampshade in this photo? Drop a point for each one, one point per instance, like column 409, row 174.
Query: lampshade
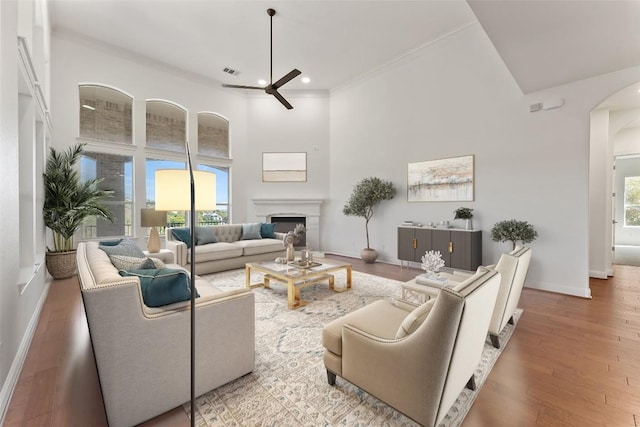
column 173, row 194
column 152, row 218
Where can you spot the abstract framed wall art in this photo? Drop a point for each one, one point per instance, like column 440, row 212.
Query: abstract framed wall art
column 444, row 180
column 284, row 167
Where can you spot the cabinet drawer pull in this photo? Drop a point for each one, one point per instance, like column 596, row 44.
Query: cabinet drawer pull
column 450, row 247
column 415, row 243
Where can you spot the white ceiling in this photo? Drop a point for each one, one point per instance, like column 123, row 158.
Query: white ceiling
column 543, row 43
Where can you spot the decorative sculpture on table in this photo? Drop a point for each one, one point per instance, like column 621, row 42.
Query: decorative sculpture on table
column 292, row 238
column 432, row 262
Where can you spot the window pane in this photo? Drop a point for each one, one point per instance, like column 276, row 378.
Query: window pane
column 221, row 214
column 117, row 174
column 632, row 190
column 632, row 216
column 166, row 126
column 105, row 114
column 213, row 135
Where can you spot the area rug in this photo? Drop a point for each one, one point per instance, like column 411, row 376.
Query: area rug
column 289, row 385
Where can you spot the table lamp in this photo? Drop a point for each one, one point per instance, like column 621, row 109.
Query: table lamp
column 187, row 190
column 153, row 218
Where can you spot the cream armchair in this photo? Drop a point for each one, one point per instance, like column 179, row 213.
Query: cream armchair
column 513, row 267
column 417, row 361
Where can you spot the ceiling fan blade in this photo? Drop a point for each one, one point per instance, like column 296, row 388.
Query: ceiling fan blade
column 281, row 99
column 242, row 87
column 292, row 74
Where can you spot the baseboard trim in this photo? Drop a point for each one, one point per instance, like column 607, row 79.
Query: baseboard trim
column 598, row 274
column 586, row 293
column 11, row 381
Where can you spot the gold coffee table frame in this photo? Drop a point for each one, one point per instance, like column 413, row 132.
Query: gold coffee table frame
column 297, row 278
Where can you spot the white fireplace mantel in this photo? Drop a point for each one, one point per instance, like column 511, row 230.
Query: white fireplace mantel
column 308, row 208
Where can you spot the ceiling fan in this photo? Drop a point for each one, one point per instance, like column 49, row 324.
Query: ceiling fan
column 272, row 88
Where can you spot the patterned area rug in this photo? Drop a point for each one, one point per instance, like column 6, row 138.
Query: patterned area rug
column 289, row 385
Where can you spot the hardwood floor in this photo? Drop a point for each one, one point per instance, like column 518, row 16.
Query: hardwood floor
column 570, row 362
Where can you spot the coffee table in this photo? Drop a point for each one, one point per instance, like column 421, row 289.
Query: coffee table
column 298, row 277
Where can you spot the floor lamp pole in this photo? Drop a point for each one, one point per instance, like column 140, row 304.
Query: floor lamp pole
column 192, row 225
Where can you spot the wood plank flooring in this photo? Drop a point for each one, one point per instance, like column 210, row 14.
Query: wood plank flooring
column 570, row 362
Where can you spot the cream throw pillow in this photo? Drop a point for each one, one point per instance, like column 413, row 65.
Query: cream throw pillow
column 414, row 319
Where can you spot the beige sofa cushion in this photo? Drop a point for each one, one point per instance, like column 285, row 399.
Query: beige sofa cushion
column 262, row 246
column 216, row 251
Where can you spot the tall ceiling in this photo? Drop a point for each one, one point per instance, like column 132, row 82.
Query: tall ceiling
column 543, row 43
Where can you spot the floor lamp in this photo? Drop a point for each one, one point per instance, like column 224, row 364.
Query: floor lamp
column 153, row 218
column 187, row 190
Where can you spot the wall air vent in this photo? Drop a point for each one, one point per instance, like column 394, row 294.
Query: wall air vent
column 231, row 71
column 535, row 107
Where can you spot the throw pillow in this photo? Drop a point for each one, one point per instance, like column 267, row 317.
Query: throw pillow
column 111, row 242
column 205, row 235
column 183, row 234
column 157, row 262
column 251, row 231
column 267, row 230
column 126, row 247
column 414, row 319
column 123, row 262
column 162, row 287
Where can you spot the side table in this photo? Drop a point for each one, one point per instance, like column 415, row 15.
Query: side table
column 165, row 255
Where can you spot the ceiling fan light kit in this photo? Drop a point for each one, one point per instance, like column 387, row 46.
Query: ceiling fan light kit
column 272, row 88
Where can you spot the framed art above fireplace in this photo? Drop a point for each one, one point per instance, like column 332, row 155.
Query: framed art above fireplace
column 284, row 167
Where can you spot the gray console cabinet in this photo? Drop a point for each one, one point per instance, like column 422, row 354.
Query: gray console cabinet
column 460, row 249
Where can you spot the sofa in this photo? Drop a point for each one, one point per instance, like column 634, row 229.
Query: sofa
column 232, row 247
column 416, row 359
column 142, row 353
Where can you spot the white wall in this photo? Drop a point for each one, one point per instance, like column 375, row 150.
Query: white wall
column 600, row 166
column 627, row 141
column 23, row 123
column 272, row 128
column 456, row 98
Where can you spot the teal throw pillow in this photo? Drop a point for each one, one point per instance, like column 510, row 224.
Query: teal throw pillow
column 251, row 231
column 111, row 242
column 267, row 230
column 205, row 235
column 162, row 286
column 183, row 234
column 126, row 248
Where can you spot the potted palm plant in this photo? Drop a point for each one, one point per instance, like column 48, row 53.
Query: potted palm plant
column 68, row 201
column 365, row 196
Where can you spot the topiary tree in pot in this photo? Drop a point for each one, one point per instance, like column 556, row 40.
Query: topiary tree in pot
column 513, row 231
column 67, row 203
column 367, row 194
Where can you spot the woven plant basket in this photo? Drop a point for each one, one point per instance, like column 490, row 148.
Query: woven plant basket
column 61, row 264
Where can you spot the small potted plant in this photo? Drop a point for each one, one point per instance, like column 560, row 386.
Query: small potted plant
column 365, row 196
column 513, row 231
column 464, row 213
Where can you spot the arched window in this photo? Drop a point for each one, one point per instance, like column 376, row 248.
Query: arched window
column 105, row 114
column 213, row 135
column 166, row 126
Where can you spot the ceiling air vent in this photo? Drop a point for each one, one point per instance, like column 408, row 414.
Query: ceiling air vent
column 231, row 71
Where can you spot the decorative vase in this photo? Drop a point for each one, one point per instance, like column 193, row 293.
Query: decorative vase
column 369, row 255
column 468, row 224
column 291, row 253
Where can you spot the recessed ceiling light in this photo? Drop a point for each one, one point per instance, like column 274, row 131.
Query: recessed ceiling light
column 305, row 80
column 262, row 82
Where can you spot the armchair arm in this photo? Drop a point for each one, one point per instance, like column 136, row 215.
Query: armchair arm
column 179, row 249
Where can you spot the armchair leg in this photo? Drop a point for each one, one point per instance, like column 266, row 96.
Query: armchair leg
column 331, row 377
column 495, row 340
column 511, row 321
column 471, row 385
